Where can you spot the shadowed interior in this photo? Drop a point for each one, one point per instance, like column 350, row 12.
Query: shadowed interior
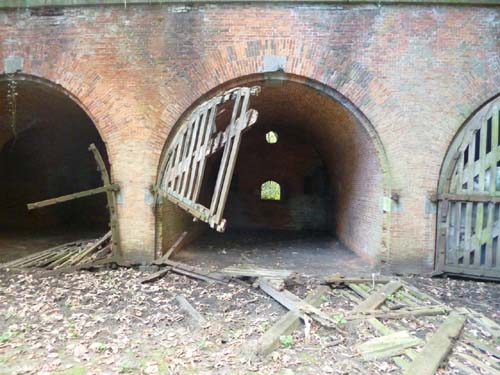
column 44, row 140
column 325, row 162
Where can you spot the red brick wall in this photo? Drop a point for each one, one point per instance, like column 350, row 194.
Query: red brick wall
column 415, row 72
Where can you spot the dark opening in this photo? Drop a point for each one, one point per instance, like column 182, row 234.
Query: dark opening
column 477, row 149
column 44, row 140
column 489, row 140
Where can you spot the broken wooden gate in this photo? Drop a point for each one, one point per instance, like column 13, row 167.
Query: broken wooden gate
column 109, row 188
column 198, row 139
column 469, row 205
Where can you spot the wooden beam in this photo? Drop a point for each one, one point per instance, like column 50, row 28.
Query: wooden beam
column 339, row 279
column 111, row 198
column 437, row 347
column 398, row 314
column 69, row 197
column 294, row 303
column 468, row 198
column 377, row 298
column 155, row 276
column 387, row 346
column 253, row 271
column 186, row 306
column 270, row 340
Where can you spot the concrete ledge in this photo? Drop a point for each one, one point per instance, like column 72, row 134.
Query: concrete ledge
column 19, row 4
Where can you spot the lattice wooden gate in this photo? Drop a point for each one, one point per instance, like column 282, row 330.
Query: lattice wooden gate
column 198, row 139
column 469, row 205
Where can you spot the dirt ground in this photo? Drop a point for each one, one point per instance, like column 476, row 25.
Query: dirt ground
column 107, row 322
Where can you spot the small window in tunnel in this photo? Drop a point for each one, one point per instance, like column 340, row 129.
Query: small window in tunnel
column 271, row 137
column 270, row 191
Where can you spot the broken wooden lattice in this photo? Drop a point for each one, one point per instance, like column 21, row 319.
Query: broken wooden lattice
column 381, row 301
column 469, row 207
column 198, row 139
column 79, row 254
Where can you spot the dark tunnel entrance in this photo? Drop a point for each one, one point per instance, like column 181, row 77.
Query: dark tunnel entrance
column 44, row 140
column 307, row 189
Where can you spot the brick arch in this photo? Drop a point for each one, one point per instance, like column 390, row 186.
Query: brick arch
column 46, row 154
column 460, row 136
column 58, row 88
column 463, row 176
column 234, row 60
column 330, row 91
column 360, row 119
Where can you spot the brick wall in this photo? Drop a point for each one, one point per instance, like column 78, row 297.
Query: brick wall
column 414, row 72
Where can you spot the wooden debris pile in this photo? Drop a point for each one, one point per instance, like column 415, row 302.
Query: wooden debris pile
column 390, row 309
column 73, row 255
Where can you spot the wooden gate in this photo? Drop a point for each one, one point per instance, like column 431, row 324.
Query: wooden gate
column 469, row 203
column 199, row 138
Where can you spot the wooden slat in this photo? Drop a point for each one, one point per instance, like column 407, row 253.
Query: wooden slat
column 387, row 346
column 376, row 299
column 437, row 347
column 186, row 306
column 270, row 340
column 70, row 197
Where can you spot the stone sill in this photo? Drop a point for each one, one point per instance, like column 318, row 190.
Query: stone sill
column 20, row 4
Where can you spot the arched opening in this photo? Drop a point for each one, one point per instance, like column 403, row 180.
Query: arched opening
column 310, row 145
column 469, row 198
column 44, row 140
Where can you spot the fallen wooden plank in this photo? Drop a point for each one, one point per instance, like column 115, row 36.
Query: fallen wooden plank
column 424, row 297
column 387, row 346
column 270, row 340
column 254, row 271
column 376, row 324
column 81, row 256
column 184, row 239
column 483, row 365
column 463, row 368
column 377, row 298
column 482, row 345
column 339, row 279
column 187, row 270
column 489, row 325
column 186, row 306
column 177, row 245
column 437, row 347
column 86, row 266
column 155, row 276
column 294, row 303
column 398, row 314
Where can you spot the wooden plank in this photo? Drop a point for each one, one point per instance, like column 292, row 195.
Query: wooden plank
column 96, row 263
column 186, row 306
column 437, row 347
column 70, row 197
column 470, row 197
column 111, row 198
column 483, row 365
column 254, row 271
column 155, row 276
column 187, row 270
column 482, row 345
column 270, row 340
column 387, row 346
column 294, row 303
column 376, row 299
column 398, row 314
column 339, row 279
column 92, row 247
